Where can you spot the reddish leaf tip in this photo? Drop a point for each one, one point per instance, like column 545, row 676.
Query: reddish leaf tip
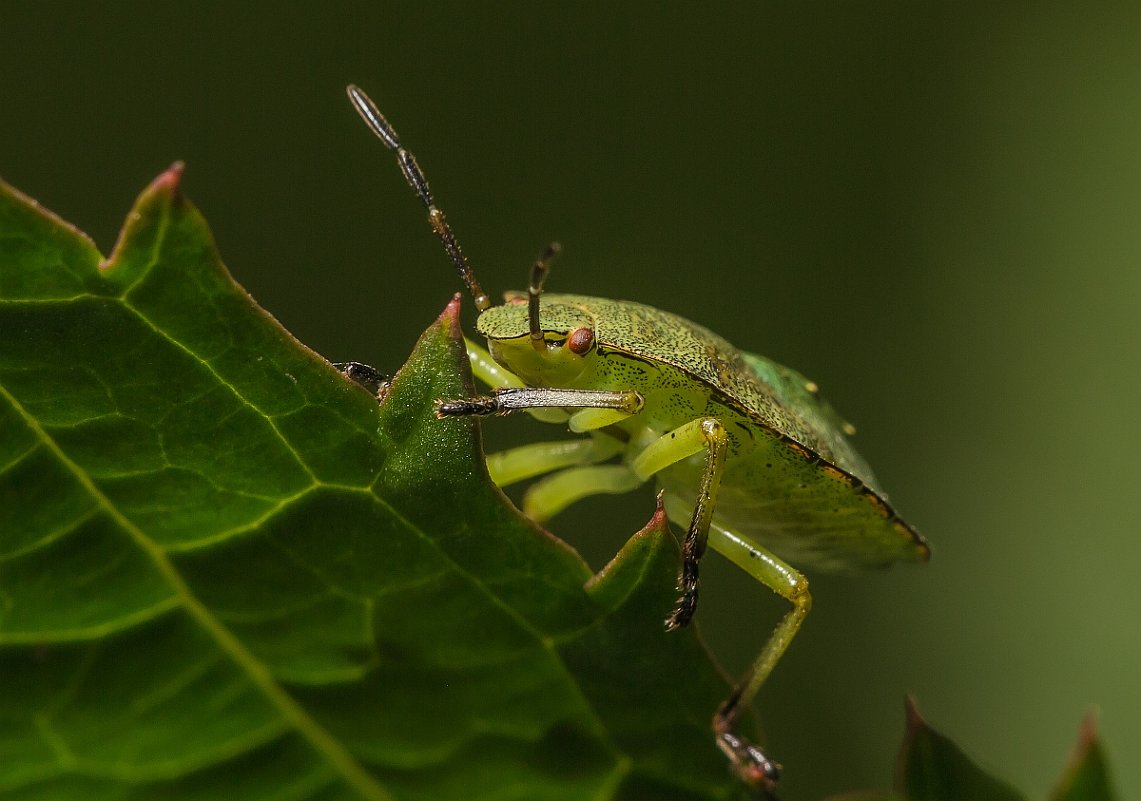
column 913, row 728
column 449, row 318
column 170, row 179
column 657, row 525
column 1087, row 737
column 165, row 188
column 1086, row 775
column 1089, row 724
column 658, row 519
column 168, row 183
column 914, row 716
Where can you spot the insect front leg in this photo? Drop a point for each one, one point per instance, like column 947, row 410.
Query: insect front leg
column 706, row 433
column 597, row 409
column 496, row 376
column 489, row 371
column 600, row 407
column 574, row 458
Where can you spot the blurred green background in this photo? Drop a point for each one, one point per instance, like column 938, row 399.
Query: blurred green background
column 932, row 210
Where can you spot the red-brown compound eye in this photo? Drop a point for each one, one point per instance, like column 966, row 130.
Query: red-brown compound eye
column 580, row 340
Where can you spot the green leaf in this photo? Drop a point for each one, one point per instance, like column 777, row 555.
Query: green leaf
column 1086, row 778
column 228, row 572
column 932, row 768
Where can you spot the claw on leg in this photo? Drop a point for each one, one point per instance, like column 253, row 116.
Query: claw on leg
column 749, row 762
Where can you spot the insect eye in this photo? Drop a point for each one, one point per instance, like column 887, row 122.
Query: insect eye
column 580, row 340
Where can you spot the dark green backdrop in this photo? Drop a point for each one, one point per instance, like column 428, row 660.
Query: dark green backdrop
column 932, row 212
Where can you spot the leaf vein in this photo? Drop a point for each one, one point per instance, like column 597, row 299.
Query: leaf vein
column 292, row 712
column 599, row 727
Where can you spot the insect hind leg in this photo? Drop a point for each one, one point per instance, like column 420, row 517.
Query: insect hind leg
column 749, row 761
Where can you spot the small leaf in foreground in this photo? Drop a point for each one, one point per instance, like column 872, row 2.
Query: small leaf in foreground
column 932, row 768
column 1086, row 777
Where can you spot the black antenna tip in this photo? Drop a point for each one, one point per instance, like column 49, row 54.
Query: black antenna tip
column 372, row 116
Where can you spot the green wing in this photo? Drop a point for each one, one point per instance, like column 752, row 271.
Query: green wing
column 823, row 430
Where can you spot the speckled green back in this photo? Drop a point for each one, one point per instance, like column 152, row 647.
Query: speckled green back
column 770, row 394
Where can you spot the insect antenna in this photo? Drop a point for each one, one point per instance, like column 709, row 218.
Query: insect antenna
column 415, row 178
column 539, row 270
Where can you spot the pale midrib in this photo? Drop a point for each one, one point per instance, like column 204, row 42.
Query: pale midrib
column 300, row 720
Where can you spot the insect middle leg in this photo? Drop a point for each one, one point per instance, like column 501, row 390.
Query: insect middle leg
column 538, row 458
column 706, row 433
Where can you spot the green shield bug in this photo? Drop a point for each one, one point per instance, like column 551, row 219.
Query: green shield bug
column 743, row 448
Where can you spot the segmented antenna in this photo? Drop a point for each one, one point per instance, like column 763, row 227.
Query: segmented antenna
column 415, row 178
column 540, row 268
